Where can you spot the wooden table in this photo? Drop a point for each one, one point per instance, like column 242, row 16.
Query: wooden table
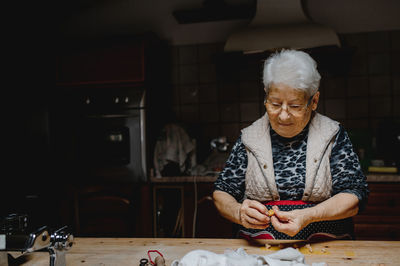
column 128, row 251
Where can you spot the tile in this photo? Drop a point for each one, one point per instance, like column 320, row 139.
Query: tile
column 261, row 108
column 210, row 131
column 380, row 106
column 380, row 86
column 335, row 87
column 176, row 111
column 175, row 74
column 207, row 73
column 249, row 112
column 189, row 74
column 335, row 108
column 362, row 123
column 252, row 73
column 187, row 54
column 357, row 108
column 374, row 123
column 357, row 86
column 378, row 41
column 358, row 65
column 395, row 40
column 176, row 95
column 250, row 91
column 206, row 53
column 379, row 63
column 229, row 112
column 321, row 88
column 395, row 62
column 228, row 71
column 231, row 131
column 356, row 40
column 208, row 93
column 189, row 113
column 321, row 106
column 174, row 55
column 209, row 112
column 228, row 92
column 396, row 106
column 189, row 94
column 262, row 94
column 396, row 84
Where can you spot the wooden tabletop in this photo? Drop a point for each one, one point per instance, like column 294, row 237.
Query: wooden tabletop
column 128, row 251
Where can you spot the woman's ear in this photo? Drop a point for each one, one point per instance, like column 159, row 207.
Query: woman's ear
column 314, row 102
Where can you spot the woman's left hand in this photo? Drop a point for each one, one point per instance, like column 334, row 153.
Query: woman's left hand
column 290, row 222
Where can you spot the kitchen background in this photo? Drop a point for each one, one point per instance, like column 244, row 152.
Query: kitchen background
column 360, row 97
column 209, row 92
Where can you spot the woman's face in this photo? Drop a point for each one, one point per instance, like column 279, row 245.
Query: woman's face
column 288, row 109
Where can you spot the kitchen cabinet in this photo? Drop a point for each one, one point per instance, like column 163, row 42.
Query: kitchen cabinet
column 118, row 63
column 108, row 61
column 381, row 218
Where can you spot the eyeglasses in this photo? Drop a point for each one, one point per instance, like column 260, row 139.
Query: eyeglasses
column 294, row 109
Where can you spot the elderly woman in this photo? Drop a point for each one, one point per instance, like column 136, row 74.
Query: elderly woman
column 292, row 160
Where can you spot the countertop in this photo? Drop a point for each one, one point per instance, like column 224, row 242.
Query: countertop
column 205, row 179
column 128, row 251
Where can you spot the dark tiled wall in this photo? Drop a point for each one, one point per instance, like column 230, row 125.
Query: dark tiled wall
column 212, row 102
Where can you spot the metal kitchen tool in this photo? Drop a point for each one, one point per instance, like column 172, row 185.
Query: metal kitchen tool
column 14, row 239
column 61, row 241
column 220, row 144
column 144, row 262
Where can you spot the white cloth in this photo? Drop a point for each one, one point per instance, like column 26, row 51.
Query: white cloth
column 175, row 146
column 284, row 257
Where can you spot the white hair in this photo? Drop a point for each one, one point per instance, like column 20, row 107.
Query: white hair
column 293, row 68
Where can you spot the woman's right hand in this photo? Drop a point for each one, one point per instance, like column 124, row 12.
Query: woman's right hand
column 253, row 214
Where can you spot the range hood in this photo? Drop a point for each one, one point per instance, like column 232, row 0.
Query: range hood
column 280, row 24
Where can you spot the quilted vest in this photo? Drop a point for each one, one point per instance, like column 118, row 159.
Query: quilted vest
column 260, row 176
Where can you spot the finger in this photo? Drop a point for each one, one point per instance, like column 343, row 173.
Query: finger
column 256, row 217
column 290, row 229
column 279, row 226
column 249, row 223
column 254, row 213
column 281, row 215
column 258, row 206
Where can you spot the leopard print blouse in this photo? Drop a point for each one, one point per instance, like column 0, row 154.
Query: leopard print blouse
column 289, row 158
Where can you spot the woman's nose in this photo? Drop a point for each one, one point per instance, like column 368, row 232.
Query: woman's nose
column 284, row 114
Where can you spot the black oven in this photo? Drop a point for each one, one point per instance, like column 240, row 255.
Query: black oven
column 101, row 134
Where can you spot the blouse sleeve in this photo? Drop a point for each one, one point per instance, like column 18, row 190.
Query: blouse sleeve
column 232, row 177
column 347, row 175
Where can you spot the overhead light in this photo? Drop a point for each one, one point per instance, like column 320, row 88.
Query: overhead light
column 280, row 24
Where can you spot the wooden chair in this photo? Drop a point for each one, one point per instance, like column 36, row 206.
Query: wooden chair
column 104, row 211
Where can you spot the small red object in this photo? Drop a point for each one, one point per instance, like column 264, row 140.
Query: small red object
column 148, row 254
